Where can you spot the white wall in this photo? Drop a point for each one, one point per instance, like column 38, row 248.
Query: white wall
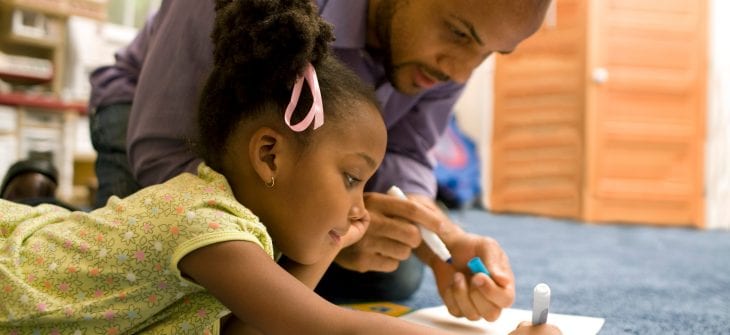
column 90, row 44
column 474, row 112
column 717, row 171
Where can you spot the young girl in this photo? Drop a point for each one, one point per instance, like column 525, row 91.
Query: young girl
column 288, row 137
column 284, row 175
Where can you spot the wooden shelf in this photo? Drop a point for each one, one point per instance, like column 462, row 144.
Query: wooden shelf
column 33, row 41
column 95, row 9
column 48, row 7
column 25, row 79
column 39, row 101
column 38, row 29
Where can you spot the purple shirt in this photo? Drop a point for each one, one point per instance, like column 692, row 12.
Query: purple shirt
column 179, row 57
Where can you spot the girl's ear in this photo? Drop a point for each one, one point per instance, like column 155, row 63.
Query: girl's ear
column 265, row 151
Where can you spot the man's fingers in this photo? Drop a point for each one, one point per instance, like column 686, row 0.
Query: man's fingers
column 501, row 297
column 412, row 209
column 488, row 310
column 461, row 295
column 500, row 287
column 373, row 253
column 389, row 248
column 398, row 230
column 421, row 212
column 354, row 260
column 450, row 301
column 383, row 264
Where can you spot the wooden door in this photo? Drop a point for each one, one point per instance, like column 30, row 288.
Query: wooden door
column 539, row 104
column 646, row 111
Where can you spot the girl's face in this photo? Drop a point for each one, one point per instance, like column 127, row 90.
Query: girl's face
column 318, row 191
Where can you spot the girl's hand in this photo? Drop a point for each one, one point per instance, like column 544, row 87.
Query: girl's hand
column 391, row 236
column 356, row 231
column 526, row 328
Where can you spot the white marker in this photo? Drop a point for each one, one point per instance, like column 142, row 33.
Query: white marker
column 432, row 240
column 540, row 303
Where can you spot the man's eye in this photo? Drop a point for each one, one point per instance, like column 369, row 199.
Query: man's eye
column 458, row 34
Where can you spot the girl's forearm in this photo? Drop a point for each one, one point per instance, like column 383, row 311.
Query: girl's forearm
column 311, row 274
column 231, row 325
column 371, row 323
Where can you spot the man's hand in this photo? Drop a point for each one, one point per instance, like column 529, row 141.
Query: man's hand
column 475, row 296
column 471, row 296
column 391, row 236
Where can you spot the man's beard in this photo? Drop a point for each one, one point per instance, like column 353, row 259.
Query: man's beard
column 384, row 30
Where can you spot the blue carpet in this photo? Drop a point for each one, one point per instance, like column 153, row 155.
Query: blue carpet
column 641, row 279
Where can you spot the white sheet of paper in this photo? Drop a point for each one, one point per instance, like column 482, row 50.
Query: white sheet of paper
column 439, row 317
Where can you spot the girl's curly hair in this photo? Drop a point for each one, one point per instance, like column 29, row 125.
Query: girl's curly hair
column 260, row 47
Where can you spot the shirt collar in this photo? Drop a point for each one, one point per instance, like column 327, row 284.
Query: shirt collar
column 350, row 20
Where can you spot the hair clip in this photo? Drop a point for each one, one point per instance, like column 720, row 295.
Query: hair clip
column 316, row 113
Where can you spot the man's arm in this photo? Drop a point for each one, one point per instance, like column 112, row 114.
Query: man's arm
column 163, row 119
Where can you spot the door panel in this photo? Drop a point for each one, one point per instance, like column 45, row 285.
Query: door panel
column 646, row 121
column 539, row 103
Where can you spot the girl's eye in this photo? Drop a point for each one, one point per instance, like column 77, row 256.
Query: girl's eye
column 351, row 181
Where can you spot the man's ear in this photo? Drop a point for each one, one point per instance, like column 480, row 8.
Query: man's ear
column 265, row 151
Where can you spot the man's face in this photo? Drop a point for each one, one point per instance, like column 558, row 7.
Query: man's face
column 430, row 41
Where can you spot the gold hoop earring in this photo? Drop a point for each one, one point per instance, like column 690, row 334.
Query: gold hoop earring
column 271, row 183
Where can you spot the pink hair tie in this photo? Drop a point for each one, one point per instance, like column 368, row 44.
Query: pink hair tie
column 316, row 113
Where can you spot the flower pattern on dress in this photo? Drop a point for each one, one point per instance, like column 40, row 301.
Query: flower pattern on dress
column 114, row 270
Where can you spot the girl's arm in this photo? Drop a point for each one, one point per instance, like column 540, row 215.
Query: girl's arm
column 264, row 296
column 309, row 275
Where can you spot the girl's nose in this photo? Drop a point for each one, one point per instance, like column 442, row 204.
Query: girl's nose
column 357, row 210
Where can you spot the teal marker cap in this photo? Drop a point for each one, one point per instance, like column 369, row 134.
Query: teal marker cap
column 476, row 266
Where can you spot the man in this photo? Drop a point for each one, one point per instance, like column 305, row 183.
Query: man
column 417, row 54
